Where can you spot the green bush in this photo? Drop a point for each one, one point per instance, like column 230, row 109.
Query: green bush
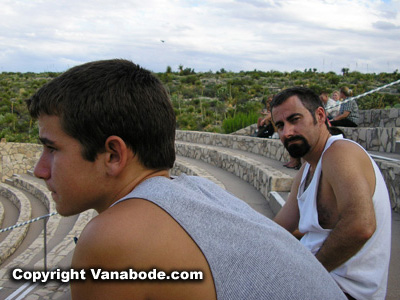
column 239, row 121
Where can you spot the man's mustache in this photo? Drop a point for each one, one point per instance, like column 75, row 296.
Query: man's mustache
column 294, row 138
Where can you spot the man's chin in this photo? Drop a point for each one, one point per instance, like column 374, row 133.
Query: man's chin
column 64, row 211
column 295, row 152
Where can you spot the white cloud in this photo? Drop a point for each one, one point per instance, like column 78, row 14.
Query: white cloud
column 204, row 35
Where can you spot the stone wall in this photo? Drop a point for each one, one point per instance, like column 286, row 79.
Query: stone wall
column 391, row 174
column 382, row 139
column 379, row 118
column 17, row 158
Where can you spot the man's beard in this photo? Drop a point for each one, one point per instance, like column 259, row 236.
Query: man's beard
column 297, row 150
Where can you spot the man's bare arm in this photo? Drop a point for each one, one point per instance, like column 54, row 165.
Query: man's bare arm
column 288, row 217
column 350, row 174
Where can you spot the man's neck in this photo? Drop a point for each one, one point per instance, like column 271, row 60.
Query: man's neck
column 127, row 182
column 314, row 155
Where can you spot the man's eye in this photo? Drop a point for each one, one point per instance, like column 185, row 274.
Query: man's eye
column 295, row 119
column 51, row 149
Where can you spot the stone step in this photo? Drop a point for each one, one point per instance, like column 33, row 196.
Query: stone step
column 262, row 176
column 270, row 148
column 183, row 166
column 234, row 185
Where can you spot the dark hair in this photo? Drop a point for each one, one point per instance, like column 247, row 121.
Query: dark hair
column 112, row 97
column 310, row 100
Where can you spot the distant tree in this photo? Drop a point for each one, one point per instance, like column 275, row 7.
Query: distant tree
column 345, row 71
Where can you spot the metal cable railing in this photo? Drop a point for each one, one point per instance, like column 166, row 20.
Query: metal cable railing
column 44, row 217
column 365, row 94
column 28, row 222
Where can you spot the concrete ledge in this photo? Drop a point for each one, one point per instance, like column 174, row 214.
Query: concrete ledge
column 264, row 178
column 17, row 235
column 36, row 189
column 276, row 202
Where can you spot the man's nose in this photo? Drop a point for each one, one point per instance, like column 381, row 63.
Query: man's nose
column 288, row 131
column 42, row 169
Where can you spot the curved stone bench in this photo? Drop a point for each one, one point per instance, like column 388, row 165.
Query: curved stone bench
column 40, row 192
column 271, row 148
column 17, row 235
column 263, row 177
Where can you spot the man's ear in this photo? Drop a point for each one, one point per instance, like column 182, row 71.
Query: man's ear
column 116, row 155
column 320, row 115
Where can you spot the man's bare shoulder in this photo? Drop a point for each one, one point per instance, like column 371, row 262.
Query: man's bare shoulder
column 118, row 231
column 344, row 152
column 139, row 234
column 345, row 161
column 135, row 231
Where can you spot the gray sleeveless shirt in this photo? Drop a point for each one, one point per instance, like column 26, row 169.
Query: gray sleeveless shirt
column 250, row 256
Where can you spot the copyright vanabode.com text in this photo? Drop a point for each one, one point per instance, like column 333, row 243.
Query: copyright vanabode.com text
column 99, row 274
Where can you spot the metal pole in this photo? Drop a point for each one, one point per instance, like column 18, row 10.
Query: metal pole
column 45, row 243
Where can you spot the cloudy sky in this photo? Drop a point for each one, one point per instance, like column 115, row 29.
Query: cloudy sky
column 283, row 35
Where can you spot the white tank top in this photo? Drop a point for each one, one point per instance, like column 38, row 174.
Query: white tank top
column 364, row 276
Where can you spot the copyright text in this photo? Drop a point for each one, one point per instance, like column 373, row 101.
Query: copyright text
column 100, row 274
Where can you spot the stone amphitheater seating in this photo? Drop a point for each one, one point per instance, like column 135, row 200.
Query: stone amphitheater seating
column 254, row 160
